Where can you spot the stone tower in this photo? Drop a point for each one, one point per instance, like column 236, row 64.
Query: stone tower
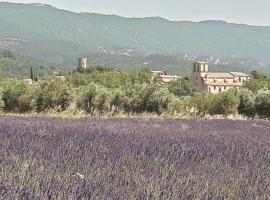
column 199, row 70
column 83, row 63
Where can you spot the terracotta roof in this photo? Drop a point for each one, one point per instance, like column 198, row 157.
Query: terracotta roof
column 224, row 75
column 217, row 75
column 239, row 74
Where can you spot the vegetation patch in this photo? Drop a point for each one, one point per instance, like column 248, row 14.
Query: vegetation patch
column 52, row 158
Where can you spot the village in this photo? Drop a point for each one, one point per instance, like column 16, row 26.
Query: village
column 210, row 82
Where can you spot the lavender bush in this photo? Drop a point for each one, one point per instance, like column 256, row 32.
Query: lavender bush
column 50, row 158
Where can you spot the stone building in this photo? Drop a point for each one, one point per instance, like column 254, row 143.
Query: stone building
column 28, row 81
column 216, row 82
column 82, row 63
column 166, row 78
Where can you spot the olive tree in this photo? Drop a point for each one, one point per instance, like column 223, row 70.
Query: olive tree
column 53, row 93
column 262, row 103
column 17, row 96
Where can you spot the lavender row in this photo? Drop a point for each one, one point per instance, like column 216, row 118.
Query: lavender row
column 51, row 158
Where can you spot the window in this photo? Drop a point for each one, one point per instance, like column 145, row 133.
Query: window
column 198, row 68
column 219, row 89
column 240, row 79
column 215, row 87
column 194, row 68
column 225, row 88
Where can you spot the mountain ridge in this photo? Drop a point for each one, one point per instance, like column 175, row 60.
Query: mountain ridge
column 59, row 36
column 115, row 15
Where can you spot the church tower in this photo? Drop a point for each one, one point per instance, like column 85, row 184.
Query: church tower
column 198, row 70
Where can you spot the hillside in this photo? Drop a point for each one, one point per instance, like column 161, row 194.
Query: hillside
column 12, row 65
column 58, row 36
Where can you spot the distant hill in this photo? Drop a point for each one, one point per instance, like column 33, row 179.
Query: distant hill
column 57, row 36
column 13, row 65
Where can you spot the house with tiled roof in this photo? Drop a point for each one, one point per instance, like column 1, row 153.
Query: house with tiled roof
column 166, row 78
column 216, row 82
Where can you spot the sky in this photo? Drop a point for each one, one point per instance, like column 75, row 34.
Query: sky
column 236, row 11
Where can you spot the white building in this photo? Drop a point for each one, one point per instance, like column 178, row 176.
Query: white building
column 215, row 82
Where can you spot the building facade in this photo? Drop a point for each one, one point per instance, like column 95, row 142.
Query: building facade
column 166, row 78
column 216, row 82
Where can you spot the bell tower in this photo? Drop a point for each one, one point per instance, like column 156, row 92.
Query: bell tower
column 198, row 70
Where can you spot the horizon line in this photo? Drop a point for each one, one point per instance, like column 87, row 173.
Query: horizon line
column 146, row 17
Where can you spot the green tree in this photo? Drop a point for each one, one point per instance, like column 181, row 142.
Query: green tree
column 2, row 103
column 77, row 79
column 258, row 75
column 246, row 103
column 141, row 77
column 159, row 99
column 262, row 103
column 183, row 88
column 118, row 98
column 201, row 103
column 225, row 103
column 260, row 81
column 177, row 106
column 32, row 74
column 86, row 97
column 53, row 93
column 143, row 97
column 258, row 84
column 102, row 100
column 17, row 97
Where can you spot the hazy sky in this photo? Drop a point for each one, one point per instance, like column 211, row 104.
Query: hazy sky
column 238, row 11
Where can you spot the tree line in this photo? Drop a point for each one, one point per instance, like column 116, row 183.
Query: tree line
column 108, row 92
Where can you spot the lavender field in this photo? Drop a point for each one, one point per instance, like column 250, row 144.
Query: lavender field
column 50, row 158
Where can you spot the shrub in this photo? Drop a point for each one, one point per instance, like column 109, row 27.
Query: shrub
column 50, row 158
column 200, row 104
column 146, row 97
column 86, row 97
column 182, row 88
column 224, row 103
column 176, row 106
column 258, row 84
column 141, row 77
column 258, row 75
column 102, row 100
column 159, row 99
column 262, row 103
column 17, row 97
column 220, row 104
column 53, row 93
column 118, row 99
column 246, row 103
column 137, row 97
column 2, row 103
